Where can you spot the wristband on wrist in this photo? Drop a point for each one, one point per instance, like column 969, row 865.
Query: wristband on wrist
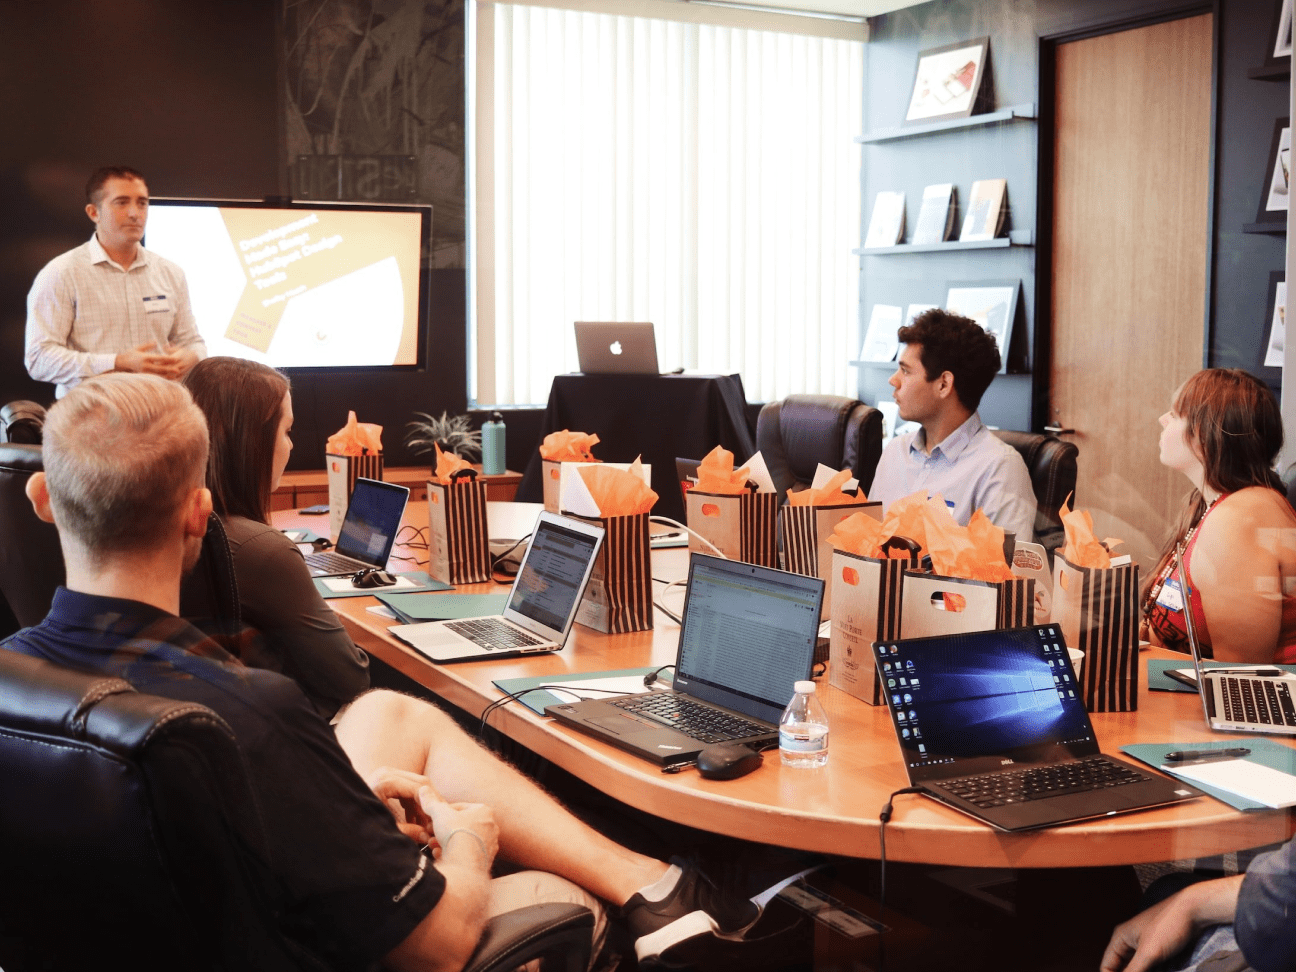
column 471, row 833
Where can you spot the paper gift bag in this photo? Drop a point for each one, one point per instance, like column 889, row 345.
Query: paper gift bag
column 931, row 604
column 1098, row 611
column 458, row 542
column 806, row 530
column 619, row 596
column 343, row 471
column 741, row 525
column 866, row 595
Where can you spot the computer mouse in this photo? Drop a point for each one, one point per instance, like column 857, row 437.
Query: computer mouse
column 374, row 578
column 727, row 761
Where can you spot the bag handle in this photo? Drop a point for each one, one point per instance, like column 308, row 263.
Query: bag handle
column 903, row 543
column 460, row 473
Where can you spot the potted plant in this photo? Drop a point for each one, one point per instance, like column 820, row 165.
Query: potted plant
column 453, row 434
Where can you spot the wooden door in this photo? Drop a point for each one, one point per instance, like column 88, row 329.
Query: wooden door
column 1131, row 159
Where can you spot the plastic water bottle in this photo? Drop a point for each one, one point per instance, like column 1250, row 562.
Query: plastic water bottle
column 492, row 440
column 803, row 730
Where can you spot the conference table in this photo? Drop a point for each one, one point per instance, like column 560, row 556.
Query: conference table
column 833, row 809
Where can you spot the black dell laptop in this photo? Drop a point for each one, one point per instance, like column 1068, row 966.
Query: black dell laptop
column 992, row 724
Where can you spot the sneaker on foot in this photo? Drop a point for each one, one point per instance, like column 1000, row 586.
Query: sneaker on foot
column 689, row 919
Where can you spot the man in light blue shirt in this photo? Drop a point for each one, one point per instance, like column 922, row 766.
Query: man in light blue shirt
column 946, row 364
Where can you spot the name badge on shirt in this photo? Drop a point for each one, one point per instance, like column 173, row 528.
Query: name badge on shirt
column 1171, row 597
column 157, row 304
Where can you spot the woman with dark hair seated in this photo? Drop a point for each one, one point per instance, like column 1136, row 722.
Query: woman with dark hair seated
column 249, row 414
column 1237, row 530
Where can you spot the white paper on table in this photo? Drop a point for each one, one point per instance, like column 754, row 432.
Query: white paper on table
column 306, row 549
column 340, row 585
column 383, row 611
column 824, row 473
column 1254, row 781
column 759, row 474
column 621, row 684
column 296, row 536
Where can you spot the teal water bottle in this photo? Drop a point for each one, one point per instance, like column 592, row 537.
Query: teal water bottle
column 492, row 440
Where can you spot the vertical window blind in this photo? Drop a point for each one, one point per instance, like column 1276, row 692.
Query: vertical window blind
column 701, row 177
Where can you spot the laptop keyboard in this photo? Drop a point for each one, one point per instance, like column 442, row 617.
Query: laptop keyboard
column 335, row 563
column 1020, row 786
column 494, row 634
column 1258, row 701
column 696, row 720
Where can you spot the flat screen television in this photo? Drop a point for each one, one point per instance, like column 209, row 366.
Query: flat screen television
column 319, row 285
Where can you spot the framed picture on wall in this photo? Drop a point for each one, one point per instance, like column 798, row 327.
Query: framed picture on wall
column 1281, row 42
column 992, row 304
column 949, row 82
column 1277, row 184
column 1277, row 317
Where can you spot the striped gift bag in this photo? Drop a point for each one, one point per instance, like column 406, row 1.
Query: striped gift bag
column 806, row 530
column 458, row 543
column 934, row 605
column 619, row 596
column 1098, row 611
column 740, row 525
column 343, row 471
column 867, row 595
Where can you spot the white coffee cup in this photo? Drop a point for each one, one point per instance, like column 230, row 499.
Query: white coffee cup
column 1077, row 658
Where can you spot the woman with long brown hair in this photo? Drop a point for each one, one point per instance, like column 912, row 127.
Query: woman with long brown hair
column 249, row 414
column 1237, row 530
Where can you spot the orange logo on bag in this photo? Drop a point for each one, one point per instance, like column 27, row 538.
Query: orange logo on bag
column 947, row 601
column 710, row 509
column 434, row 496
column 554, row 472
column 851, row 576
column 337, row 466
column 1064, row 581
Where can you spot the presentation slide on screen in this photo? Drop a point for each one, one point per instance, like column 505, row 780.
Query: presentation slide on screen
column 297, row 288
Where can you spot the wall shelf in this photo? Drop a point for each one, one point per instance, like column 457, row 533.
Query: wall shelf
column 1275, row 229
column 1014, row 238
column 1012, row 113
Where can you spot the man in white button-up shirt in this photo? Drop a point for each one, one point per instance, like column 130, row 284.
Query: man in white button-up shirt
column 109, row 304
column 946, row 364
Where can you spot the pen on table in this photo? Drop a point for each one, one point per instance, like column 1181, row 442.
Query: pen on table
column 1205, row 755
column 679, row 767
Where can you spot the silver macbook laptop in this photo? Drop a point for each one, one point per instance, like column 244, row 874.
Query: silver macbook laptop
column 541, row 605
column 992, row 724
column 373, row 519
column 1237, row 699
column 748, row 634
column 615, row 348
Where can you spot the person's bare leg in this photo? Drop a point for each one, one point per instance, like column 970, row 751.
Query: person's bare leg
column 388, row 729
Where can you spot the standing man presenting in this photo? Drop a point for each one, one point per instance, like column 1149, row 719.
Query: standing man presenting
column 109, row 304
column 946, row 364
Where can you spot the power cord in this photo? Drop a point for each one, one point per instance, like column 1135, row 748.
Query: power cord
column 498, row 565
column 651, row 678
column 667, row 521
column 885, row 817
column 661, row 606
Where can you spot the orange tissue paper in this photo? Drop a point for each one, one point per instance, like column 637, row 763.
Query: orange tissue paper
column 355, row 439
column 567, row 446
column 830, row 494
column 974, row 551
column 716, row 474
column 618, row 492
column 859, row 534
column 447, row 464
column 1082, row 548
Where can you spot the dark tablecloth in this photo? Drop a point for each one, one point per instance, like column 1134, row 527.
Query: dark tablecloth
column 658, row 417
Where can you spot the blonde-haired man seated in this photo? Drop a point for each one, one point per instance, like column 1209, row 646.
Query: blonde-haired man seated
column 382, row 831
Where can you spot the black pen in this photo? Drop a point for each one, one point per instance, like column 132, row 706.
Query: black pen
column 689, row 763
column 1205, row 755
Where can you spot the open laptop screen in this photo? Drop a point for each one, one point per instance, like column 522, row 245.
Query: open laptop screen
column 372, row 519
column 551, row 576
column 975, row 702
column 748, row 634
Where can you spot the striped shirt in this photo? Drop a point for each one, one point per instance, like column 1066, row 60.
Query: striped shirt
column 83, row 309
column 971, row 469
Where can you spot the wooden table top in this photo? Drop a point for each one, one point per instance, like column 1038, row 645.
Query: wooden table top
column 833, row 809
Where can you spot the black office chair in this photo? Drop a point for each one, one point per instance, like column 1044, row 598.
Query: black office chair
column 131, row 838
column 22, row 421
column 31, row 560
column 798, row 433
column 1051, row 463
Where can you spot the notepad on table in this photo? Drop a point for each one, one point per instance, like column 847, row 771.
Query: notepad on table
column 1254, row 781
